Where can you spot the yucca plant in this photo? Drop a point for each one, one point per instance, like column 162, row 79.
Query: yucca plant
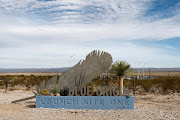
column 121, row 68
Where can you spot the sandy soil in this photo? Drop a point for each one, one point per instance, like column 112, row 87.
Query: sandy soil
column 157, row 107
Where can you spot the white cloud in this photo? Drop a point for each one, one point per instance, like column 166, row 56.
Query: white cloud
column 108, row 11
column 59, row 28
column 59, row 55
column 93, row 32
column 125, row 18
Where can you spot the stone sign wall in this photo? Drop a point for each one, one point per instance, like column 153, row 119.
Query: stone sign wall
column 85, row 102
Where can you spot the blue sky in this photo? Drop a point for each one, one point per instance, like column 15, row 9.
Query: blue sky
column 45, row 33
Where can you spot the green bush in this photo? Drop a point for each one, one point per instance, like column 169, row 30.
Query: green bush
column 54, row 89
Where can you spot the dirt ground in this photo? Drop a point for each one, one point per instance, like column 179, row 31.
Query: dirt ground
column 148, row 106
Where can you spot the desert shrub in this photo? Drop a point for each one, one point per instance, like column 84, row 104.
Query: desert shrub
column 168, row 84
column 44, row 92
column 1, row 83
column 5, row 80
column 54, row 89
column 145, row 84
column 97, row 82
column 37, row 80
column 12, row 89
column 27, row 82
column 12, row 83
column 162, row 85
column 16, row 80
column 156, row 89
column 112, row 81
column 140, row 90
column 22, row 80
column 158, row 85
column 128, row 83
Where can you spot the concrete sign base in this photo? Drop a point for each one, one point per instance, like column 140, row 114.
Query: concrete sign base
column 86, row 102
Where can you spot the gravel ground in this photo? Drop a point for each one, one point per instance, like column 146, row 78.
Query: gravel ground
column 157, row 107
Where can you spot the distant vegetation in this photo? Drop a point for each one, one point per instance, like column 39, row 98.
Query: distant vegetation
column 35, row 70
column 159, row 85
column 22, row 80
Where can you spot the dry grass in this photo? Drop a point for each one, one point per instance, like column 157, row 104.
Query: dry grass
column 158, row 73
column 135, row 73
column 160, row 81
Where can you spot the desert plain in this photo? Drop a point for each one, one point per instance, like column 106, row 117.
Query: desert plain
column 148, row 106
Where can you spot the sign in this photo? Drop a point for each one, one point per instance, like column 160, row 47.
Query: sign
column 100, row 91
column 86, row 102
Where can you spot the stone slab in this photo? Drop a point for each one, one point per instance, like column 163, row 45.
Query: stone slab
column 86, row 70
column 86, row 102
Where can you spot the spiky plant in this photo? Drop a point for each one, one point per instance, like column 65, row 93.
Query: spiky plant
column 54, row 90
column 121, row 68
column 64, row 91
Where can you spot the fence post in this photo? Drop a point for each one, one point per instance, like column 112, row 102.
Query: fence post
column 134, row 86
column 6, row 84
column 149, row 74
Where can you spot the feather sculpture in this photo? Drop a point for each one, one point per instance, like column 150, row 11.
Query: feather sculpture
column 83, row 72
